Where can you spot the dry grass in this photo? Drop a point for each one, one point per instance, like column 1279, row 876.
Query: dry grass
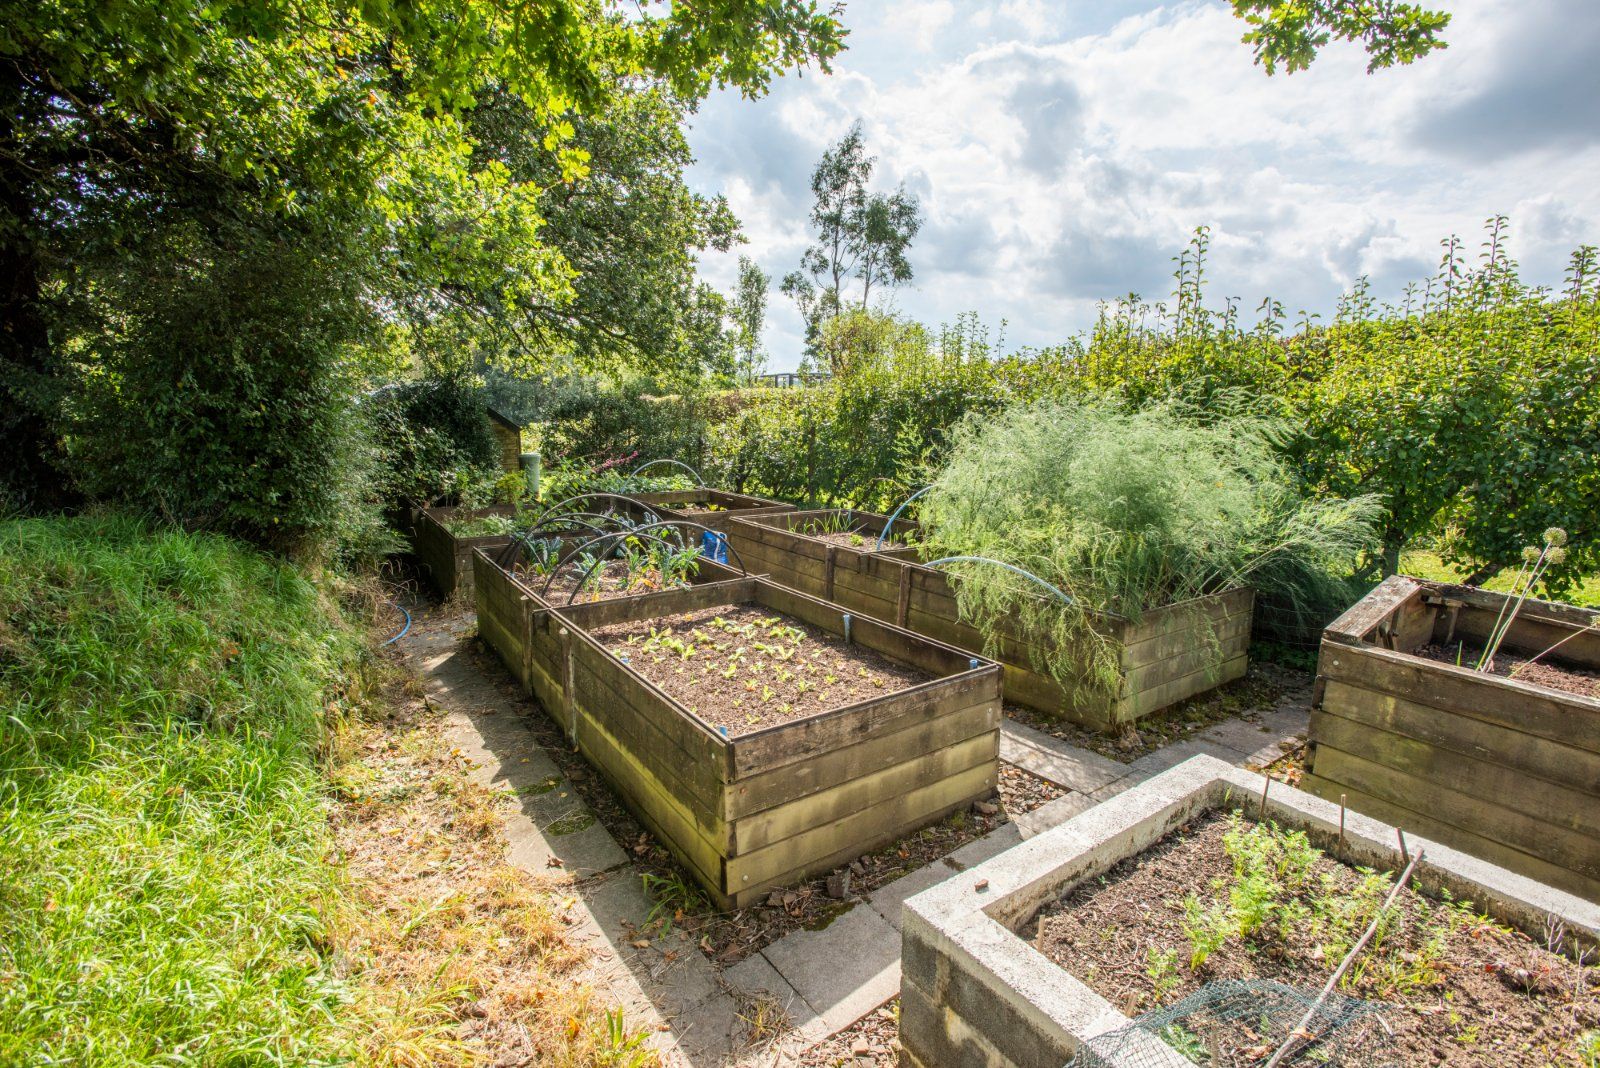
column 458, row 957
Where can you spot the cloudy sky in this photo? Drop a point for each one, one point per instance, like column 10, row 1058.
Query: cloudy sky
column 1063, row 151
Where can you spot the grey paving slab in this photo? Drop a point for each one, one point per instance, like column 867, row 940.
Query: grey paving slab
column 1173, row 755
column 1242, row 736
column 756, row 977
column 992, row 844
column 1052, row 814
column 886, row 900
column 1051, row 758
column 843, row 971
column 1115, row 788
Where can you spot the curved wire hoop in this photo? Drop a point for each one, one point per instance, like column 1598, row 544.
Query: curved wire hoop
column 601, row 561
column 675, row 463
column 595, row 522
column 896, row 515
column 615, row 539
column 1062, row 595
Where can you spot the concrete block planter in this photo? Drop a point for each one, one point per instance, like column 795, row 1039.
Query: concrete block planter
column 1503, row 768
column 976, row 992
column 747, row 812
column 708, row 507
column 1173, row 653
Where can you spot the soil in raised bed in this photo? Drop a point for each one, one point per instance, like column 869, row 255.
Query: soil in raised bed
column 744, row 667
column 1556, row 676
column 1264, row 688
column 1459, row 989
column 613, row 580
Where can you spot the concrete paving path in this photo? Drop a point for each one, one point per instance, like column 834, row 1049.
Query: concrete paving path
column 667, row 986
column 825, row 979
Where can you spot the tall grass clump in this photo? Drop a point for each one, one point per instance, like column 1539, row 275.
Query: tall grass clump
column 1128, row 510
column 165, row 871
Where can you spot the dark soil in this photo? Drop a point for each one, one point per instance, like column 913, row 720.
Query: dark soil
column 612, row 580
column 1266, row 686
column 1460, row 990
column 743, row 667
column 1556, row 676
column 862, row 539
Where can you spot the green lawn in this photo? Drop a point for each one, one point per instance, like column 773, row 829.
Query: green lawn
column 165, row 873
column 1427, row 565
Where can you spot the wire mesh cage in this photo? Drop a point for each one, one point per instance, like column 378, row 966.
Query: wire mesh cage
column 1243, row 1024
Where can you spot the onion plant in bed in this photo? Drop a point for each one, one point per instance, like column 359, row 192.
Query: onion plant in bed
column 1126, row 511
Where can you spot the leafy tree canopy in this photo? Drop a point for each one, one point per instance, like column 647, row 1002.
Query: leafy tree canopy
column 1291, row 32
column 152, row 146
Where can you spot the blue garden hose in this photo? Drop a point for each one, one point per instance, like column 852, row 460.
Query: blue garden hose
column 403, row 630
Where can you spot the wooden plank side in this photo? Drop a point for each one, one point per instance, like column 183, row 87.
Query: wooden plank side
column 1530, row 635
column 1552, row 803
column 1529, row 754
column 635, row 696
column 435, row 552
column 1202, row 654
column 596, row 614
column 1533, row 608
column 858, row 832
column 755, row 793
column 1565, row 718
column 1363, row 617
column 1181, row 616
column 906, row 647
column 1145, row 702
column 658, row 809
column 816, row 866
column 688, row 776
column 1463, row 811
column 784, row 822
column 799, row 739
column 1206, row 629
column 1454, row 837
column 503, row 615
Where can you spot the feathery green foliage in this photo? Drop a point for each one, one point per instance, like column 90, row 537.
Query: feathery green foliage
column 1126, row 510
column 164, row 874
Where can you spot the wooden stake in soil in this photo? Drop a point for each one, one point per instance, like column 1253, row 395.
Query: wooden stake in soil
column 1299, row 1033
column 1405, row 854
column 1265, row 786
column 1341, row 820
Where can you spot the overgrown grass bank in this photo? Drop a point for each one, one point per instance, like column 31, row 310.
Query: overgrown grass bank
column 165, row 878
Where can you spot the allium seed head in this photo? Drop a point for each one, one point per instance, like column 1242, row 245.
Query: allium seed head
column 1530, row 553
column 1555, row 555
column 1555, row 536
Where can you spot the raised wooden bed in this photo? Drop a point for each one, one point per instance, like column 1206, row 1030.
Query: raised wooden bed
column 691, row 504
column 1171, row 654
column 1500, row 767
column 448, row 558
column 511, row 619
column 767, row 808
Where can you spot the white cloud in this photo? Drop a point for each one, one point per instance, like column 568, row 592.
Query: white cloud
column 1058, row 165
